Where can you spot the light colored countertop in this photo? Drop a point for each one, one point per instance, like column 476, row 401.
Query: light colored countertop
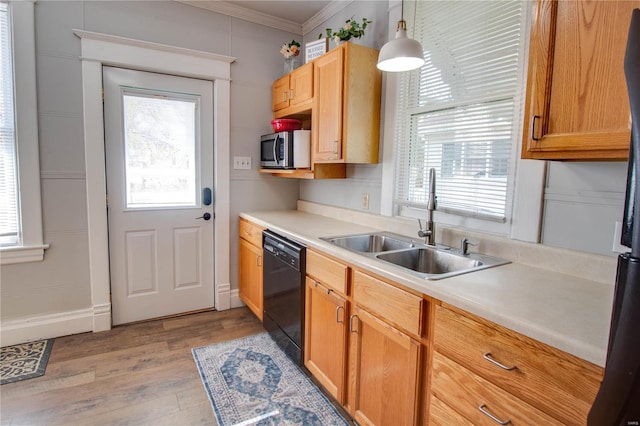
column 561, row 310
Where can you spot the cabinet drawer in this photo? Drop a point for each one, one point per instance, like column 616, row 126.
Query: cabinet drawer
column 251, row 232
column 331, row 273
column 477, row 399
column 397, row 306
column 553, row 381
column 440, row 414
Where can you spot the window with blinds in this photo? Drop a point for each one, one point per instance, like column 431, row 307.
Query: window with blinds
column 9, row 215
column 460, row 112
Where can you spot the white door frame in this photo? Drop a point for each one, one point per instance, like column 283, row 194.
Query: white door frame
column 102, row 49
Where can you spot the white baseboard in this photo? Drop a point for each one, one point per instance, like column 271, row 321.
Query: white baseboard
column 40, row 327
column 223, row 297
column 236, row 302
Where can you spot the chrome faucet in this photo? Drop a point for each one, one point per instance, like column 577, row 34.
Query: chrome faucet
column 429, row 233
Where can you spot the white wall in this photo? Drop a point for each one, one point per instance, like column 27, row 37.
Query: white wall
column 60, row 283
column 360, row 179
column 582, row 200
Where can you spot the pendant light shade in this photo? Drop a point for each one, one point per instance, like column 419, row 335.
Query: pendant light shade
column 401, row 53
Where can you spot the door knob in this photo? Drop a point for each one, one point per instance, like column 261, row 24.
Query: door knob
column 205, row 216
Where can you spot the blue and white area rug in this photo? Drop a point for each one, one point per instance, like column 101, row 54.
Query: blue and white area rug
column 250, row 381
column 24, row 361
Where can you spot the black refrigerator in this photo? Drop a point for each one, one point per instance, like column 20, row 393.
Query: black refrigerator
column 618, row 400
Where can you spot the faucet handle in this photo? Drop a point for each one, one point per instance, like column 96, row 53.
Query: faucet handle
column 464, row 245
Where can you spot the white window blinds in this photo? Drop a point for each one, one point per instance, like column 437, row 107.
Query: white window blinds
column 9, row 218
column 460, row 112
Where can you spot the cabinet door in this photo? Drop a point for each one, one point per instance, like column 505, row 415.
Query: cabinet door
column 280, row 93
column 250, row 280
column 577, row 104
column 383, row 372
column 327, row 112
column 325, row 337
column 301, row 84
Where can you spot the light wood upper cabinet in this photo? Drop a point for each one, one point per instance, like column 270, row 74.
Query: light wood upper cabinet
column 326, row 337
column 293, row 92
column 577, row 104
column 346, row 109
column 250, row 266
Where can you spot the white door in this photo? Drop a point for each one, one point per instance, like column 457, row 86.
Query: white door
column 159, row 162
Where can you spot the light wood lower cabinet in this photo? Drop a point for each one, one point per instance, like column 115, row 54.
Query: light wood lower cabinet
column 326, row 337
column 250, row 266
column 440, row 414
column 506, row 366
column 391, row 357
column 477, row 399
column 383, row 372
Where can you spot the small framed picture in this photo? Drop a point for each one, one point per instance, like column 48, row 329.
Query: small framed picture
column 315, row 48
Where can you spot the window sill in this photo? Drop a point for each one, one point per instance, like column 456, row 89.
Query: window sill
column 10, row 255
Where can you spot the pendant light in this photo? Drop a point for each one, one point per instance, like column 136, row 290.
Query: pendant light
column 401, row 53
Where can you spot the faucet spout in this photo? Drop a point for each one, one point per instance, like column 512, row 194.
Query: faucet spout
column 429, row 233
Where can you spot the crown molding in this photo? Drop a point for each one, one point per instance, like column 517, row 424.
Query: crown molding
column 327, row 12
column 246, row 14
column 265, row 19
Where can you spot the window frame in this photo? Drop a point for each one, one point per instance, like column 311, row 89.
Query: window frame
column 524, row 211
column 31, row 247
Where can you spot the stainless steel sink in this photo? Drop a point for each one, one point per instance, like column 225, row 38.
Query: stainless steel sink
column 413, row 256
column 372, row 243
column 429, row 261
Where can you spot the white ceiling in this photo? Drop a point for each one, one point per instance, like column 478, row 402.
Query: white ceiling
column 296, row 16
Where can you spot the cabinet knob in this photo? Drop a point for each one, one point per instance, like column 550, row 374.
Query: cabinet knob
column 338, row 314
column 258, row 261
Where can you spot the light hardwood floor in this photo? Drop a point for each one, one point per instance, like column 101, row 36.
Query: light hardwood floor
column 134, row 374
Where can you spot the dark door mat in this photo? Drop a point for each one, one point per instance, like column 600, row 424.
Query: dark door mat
column 24, row 361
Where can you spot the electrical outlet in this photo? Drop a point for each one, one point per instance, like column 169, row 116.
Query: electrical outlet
column 242, row 163
column 365, row 201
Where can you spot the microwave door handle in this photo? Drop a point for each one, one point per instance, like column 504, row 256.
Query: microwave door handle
column 275, row 150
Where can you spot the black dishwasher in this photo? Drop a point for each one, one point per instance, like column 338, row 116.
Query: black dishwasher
column 283, row 281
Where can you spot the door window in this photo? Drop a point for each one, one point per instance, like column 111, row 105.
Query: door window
column 161, row 139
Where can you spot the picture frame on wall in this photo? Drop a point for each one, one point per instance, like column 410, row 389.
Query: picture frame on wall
column 315, row 48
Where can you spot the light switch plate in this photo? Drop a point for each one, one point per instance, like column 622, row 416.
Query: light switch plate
column 242, row 163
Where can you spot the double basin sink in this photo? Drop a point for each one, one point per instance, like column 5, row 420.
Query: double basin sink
column 429, row 262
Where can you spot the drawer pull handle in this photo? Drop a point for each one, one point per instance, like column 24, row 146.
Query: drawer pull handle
column 483, row 410
column 338, row 314
column 489, row 358
column 351, row 323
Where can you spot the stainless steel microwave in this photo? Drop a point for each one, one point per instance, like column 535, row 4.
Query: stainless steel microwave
column 276, row 150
